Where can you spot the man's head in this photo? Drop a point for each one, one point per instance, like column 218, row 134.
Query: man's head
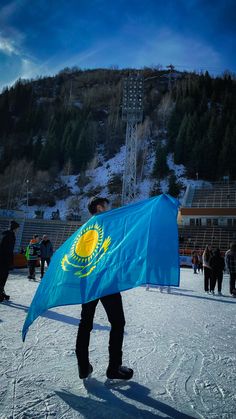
column 14, row 225
column 45, row 237
column 36, row 238
column 97, row 204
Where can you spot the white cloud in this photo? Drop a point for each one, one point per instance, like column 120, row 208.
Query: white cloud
column 28, row 68
column 7, row 46
column 11, row 39
column 16, row 63
column 15, row 67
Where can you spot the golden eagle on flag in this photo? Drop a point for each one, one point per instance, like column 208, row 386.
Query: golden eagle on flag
column 88, row 249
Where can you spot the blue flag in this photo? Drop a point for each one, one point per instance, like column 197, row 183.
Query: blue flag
column 114, row 251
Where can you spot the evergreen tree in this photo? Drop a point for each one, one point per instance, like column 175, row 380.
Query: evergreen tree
column 227, row 156
column 180, row 151
column 85, row 147
column 68, row 138
column 173, row 125
column 6, row 120
column 160, row 167
column 174, row 186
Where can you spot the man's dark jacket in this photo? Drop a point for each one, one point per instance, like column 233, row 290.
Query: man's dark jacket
column 7, row 244
column 46, row 249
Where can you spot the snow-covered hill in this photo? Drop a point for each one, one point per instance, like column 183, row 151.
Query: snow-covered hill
column 98, row 177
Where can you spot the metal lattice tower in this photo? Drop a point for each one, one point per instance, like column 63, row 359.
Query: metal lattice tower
column 132, row 113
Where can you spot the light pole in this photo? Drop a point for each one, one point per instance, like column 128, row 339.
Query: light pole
column 132, row 113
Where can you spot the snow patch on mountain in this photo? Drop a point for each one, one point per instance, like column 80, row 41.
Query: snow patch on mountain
column 102, row 172
column 178, row 169
column 71, row 182
column 101, row 175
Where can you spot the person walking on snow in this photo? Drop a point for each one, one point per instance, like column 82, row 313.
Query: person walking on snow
column 195, row 262
column 114, row 310
column 6, row 256
column 207, row 268
column 200, row 266
column 32, row 255
column 217, row 265
column 46, row 252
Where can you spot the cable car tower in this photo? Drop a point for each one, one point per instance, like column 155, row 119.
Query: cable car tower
column 132, row 113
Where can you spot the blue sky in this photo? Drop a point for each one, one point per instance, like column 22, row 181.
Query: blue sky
column 40, row 37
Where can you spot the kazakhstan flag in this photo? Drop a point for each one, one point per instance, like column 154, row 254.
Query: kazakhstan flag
column 114, row 251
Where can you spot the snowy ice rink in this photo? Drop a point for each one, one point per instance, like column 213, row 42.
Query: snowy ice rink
column 182, row 347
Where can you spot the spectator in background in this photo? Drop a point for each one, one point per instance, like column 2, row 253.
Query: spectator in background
column 217, row 265
column 7, row 244
column 46, row 252
column 32, row 255
column 207, row 268
column 230, row 262
column 200, row 263
column 195, row 262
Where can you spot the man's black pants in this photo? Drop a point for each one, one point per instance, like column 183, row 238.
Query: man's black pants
column 4, row 271
column 232, row 281
column 114, row 310
column 207, row 278
column 43, row 260
column 32, row 265
column 216, row 277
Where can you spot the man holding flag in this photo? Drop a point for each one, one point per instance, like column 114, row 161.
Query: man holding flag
column 114, row 251
column 114, row 310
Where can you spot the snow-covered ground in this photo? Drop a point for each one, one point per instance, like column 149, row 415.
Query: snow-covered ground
column 181, row 346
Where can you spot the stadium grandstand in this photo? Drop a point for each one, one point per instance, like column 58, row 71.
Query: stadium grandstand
column 208, row 216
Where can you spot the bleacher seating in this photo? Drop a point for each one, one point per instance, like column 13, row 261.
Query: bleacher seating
column 219, row 195
column 57, row 231
column 211, row 217
column 198, row 237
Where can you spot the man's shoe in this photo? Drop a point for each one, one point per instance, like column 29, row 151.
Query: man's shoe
column 2, row 298
column 120, row 373
column 5, row 296
column 85, row 372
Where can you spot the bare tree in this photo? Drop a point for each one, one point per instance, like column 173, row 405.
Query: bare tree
column 13, row 190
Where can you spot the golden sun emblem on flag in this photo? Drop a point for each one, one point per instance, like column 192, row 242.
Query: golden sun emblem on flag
column 88, row 249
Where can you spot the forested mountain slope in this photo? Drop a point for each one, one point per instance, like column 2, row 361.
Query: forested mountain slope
column 60, row 125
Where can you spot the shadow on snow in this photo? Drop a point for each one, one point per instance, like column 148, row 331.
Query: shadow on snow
column 111, row 405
